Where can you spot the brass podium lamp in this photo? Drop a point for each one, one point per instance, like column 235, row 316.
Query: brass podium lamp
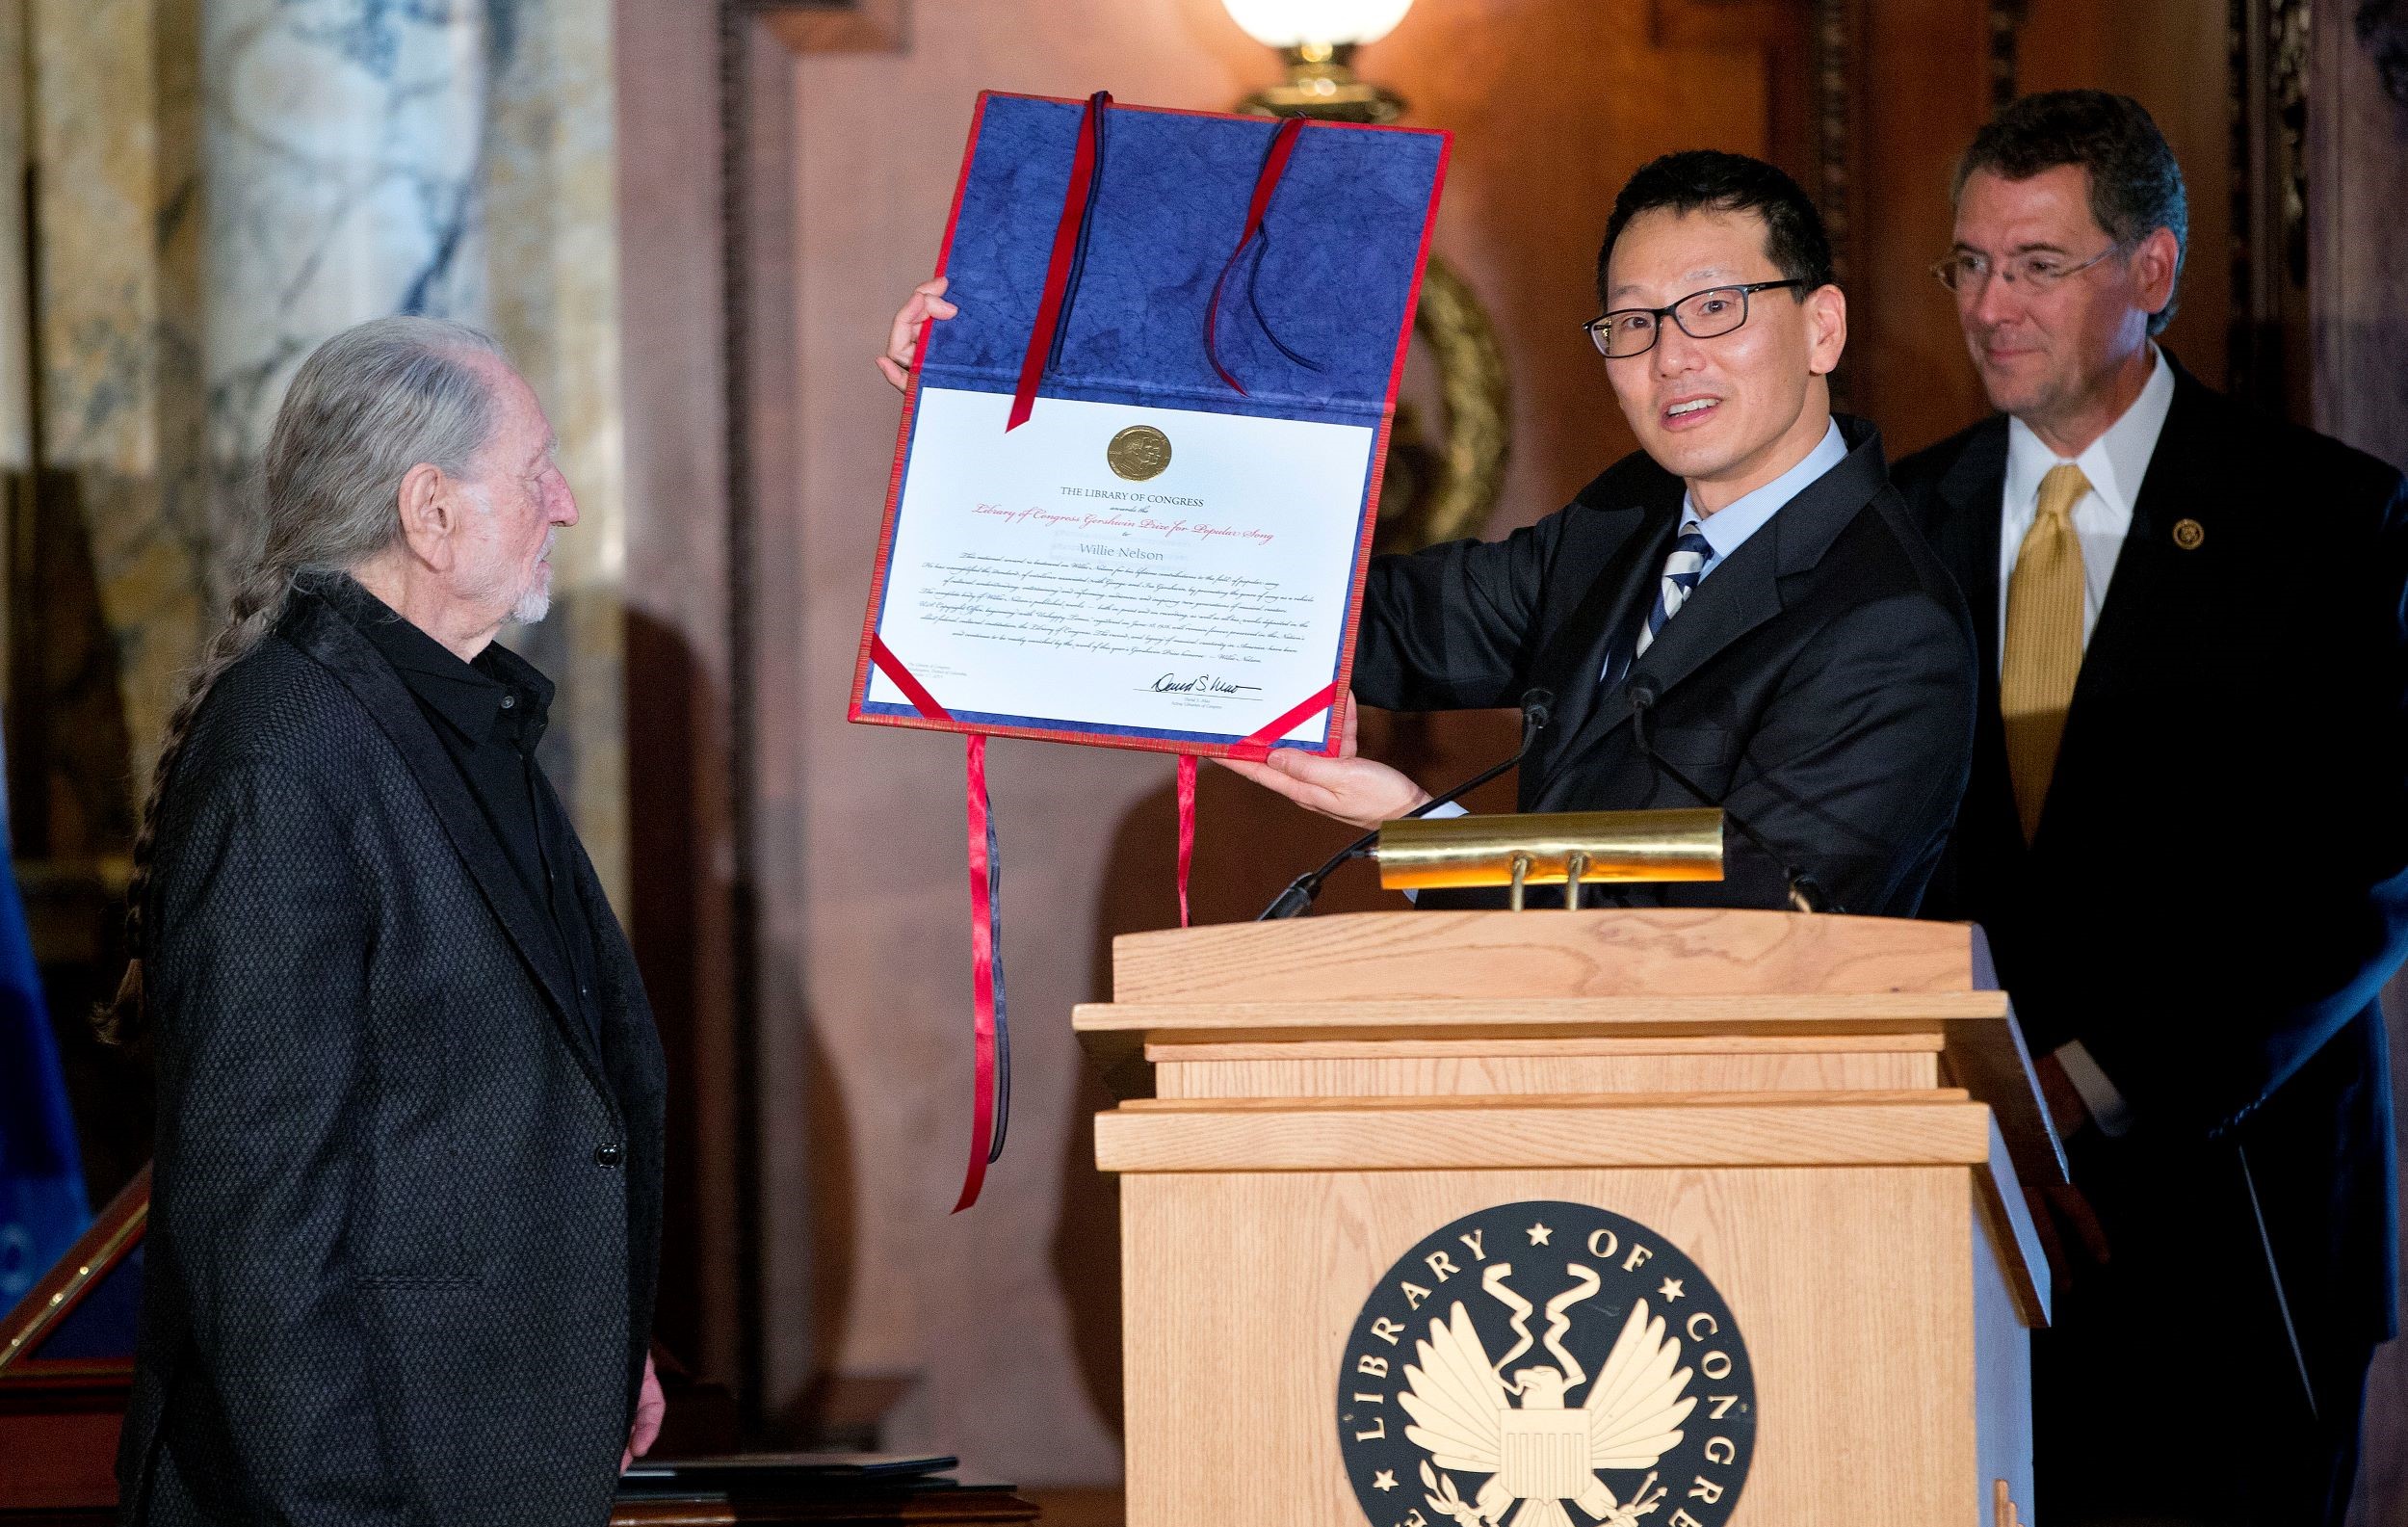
column 1442, row 487
column 1567, row 848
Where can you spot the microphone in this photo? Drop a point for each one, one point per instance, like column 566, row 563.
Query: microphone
column 1806, row 893
column 1537, row 710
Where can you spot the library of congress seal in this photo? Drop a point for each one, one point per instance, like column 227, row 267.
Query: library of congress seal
column 1138, row 453
column 1544, row 1364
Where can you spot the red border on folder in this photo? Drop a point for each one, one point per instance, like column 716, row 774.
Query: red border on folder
column 856, row 710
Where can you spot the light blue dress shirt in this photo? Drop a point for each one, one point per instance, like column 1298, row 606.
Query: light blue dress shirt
column 1727, row 528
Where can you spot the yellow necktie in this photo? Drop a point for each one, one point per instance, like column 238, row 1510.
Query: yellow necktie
column 2044, row 604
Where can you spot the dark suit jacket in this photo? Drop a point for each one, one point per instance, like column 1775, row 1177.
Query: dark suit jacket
column 2216, row 891
column 1819, row 680
column 405, row 1210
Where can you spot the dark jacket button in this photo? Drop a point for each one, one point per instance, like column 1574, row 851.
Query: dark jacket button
column 606, row 1155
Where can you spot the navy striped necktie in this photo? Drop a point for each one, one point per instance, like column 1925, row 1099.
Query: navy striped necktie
column 1681, row 573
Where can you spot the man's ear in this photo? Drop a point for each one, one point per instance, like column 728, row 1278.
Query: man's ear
column 430, row 509
column 1826, row 328
column 2157, row 262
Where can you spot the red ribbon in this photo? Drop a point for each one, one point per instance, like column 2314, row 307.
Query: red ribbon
column 990, row 1099
column 1256, row 746
column 1266, row 182
column 887, row 662
column 1187, row 829
column 1068, row 234
column 987, row 983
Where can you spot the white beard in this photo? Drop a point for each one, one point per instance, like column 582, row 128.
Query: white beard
column 534, row 601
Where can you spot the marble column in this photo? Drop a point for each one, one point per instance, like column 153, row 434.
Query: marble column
column 341, row 154
column 449, row 157
column 17, row 351
column 111, row 142
column 219, row 186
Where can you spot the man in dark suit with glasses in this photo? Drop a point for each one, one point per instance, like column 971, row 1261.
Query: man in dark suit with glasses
column 2184, row 835
column 1738, row 615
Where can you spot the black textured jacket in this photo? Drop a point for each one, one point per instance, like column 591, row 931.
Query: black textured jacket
column 1820, row 682
column 405, row 1210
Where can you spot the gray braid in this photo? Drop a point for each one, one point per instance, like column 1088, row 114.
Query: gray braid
column 366, row 406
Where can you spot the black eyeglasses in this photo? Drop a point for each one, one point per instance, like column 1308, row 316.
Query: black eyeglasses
column 1708, row 314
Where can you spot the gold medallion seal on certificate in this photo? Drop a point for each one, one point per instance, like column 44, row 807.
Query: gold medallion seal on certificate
column 1138, row 453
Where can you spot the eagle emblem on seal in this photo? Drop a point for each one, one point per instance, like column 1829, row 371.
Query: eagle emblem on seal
column 1546, row 1364
column 1546, row 1449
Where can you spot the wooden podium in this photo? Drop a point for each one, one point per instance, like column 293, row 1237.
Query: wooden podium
column 1336, row 1133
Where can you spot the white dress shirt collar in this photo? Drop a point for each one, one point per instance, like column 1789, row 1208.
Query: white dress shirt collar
column 1727, row 527
column 2116, row 463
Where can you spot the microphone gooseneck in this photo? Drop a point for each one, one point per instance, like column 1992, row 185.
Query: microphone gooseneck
column 1806, row 893
column 1537, row 710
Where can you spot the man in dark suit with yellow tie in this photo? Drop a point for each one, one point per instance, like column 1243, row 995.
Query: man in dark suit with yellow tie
column 2185, row 833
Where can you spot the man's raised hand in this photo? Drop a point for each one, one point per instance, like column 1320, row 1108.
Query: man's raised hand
column 903, row 341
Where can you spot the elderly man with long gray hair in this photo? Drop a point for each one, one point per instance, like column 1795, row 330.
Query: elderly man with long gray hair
column 405, row 1208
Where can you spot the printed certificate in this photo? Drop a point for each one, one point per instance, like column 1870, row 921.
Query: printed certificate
column 1168, row 572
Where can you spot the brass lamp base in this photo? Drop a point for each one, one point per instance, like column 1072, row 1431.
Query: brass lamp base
column 1322, row 85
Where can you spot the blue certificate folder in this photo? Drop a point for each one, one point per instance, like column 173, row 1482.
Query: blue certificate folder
column 1210, row 313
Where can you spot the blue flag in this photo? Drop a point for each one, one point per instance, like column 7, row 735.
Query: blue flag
column 42, row 1208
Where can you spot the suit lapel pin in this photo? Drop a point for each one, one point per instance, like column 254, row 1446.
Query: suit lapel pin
column 2188, row 534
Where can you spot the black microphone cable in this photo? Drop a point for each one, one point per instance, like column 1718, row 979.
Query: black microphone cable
column 1806, row 893
column 1537, row 709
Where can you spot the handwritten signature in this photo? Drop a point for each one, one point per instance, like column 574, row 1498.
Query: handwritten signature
column 1201, row 683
